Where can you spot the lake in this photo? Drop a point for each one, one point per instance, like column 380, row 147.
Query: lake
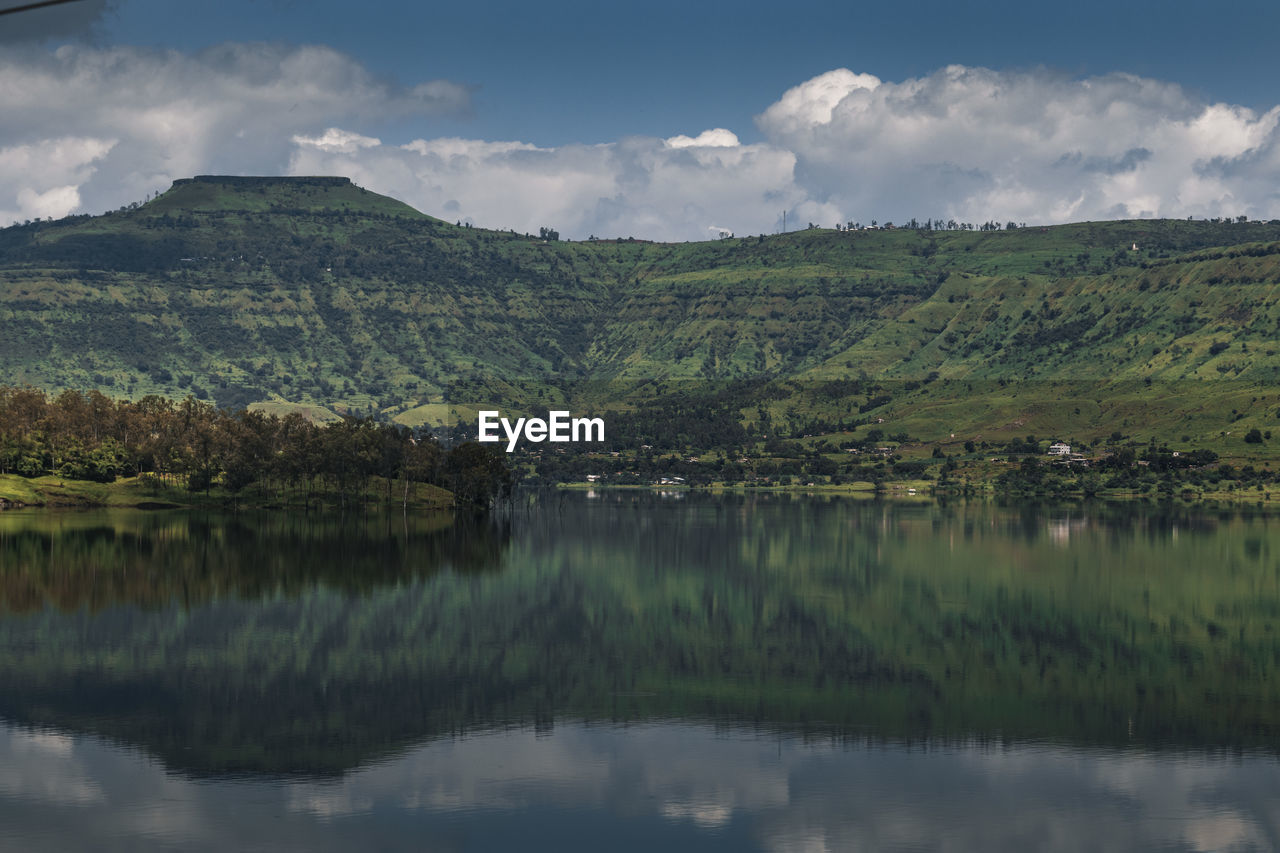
column 630, row 670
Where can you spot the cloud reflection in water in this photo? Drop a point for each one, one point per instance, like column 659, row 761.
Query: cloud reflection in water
column 689, row 786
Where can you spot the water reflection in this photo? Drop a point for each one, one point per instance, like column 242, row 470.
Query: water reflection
column 634, row 788
column 103, row 558
column 288, row 646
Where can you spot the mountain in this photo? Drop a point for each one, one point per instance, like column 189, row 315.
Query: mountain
column 312, row 291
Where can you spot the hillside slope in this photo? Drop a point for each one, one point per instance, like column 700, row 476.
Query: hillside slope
column 314, row 291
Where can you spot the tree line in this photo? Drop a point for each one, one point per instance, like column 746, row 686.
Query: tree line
column 193, row 444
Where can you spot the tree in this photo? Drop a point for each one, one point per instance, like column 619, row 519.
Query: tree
column 476, row 475
column 421, row 463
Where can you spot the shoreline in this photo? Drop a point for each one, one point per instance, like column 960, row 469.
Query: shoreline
column 148, row 494
column 920, row 491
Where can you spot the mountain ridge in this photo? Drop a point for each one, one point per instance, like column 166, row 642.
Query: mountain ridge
column 312, row 291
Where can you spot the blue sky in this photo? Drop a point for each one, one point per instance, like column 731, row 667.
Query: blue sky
column 593, row 72
column 594, row 118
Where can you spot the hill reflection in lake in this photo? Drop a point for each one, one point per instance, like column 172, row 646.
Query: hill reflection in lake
column 850, row 640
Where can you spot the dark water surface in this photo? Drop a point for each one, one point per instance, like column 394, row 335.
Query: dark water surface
column 630, row 671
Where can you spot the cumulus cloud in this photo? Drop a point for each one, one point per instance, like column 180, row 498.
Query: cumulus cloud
column 717, row 137
column 663, row 189
column 42, row 179
column 812, row 103
column 965, row 143
column 89, row 129
column 337, row 141
column 1031, row 146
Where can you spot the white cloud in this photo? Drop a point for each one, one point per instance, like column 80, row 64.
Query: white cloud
column 717, row 137
column 1036, row 146
column 811, row 103
column 88, row 129
column 642, row 187
column 964, row 143
column 337, row 141
column 96, row 128
column 42, row 179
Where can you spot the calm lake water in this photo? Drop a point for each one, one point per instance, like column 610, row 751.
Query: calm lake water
column 632, row 670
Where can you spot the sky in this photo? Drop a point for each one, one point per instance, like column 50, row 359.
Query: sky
column 669, row 121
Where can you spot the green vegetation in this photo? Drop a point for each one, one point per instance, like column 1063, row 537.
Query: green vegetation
column 167, row 449
column 313, row 295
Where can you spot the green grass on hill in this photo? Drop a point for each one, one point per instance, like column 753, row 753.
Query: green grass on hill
column 314, row 293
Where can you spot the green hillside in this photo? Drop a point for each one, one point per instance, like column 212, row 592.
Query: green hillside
column 289, row 292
